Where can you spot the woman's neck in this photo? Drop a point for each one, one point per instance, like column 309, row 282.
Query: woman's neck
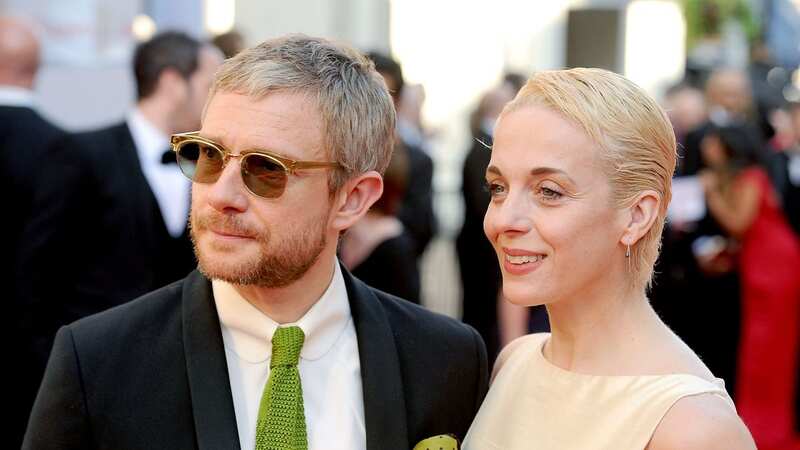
column 604, row 332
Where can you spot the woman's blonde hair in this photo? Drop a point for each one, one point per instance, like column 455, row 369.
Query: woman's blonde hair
column 634, row 137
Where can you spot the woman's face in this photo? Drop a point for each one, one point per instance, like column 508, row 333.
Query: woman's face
column 551, row 219
column 713, row 152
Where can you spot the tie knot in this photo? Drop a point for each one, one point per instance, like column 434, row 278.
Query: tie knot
column 286, row 345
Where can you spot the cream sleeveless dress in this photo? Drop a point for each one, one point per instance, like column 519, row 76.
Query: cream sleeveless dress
column 533, row 404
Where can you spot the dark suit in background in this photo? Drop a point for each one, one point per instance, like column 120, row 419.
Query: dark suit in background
column 97, row 238
column 24, row 139
column 152, row 374
column 477, row 260
column 788, row 190
column 416, row 208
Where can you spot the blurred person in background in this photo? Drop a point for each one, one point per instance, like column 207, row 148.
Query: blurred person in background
column 696, row 280
column 409, row 117
column 229, row 43
column 480, row 274
column 729, row 99
column 111, row 205
column 686, row 108
column 785, row 161
column 580, row 180
column 742, row 199
column 416, row 209
column 24, row 138
column 377, row 249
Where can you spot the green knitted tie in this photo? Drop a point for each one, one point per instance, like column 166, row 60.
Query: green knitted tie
column 281, row 419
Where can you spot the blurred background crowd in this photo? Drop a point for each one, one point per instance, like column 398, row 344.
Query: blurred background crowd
column 90, row 91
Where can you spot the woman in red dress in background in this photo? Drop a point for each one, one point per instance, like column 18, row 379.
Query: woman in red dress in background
column 741, row 198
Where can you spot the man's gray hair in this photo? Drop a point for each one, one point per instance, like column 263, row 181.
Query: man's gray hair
column 357, row 112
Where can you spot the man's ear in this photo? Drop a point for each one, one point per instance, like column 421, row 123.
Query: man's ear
column 355, row 198
column 642, row 215
column 171, row 81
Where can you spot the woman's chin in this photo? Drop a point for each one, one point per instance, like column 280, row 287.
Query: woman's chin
column 523, row 297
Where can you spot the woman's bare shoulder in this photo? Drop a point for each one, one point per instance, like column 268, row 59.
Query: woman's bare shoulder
column 674, row 356
column 513, row 346
column 703, row 421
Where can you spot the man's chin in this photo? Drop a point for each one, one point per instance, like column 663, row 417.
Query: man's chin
column 241, row 274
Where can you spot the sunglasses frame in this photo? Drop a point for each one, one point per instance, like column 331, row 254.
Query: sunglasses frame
column 290, row 166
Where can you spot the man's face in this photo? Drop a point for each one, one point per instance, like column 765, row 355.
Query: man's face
column 731, row 91
column 198, row 86
column 393, row 85
column 249, row 240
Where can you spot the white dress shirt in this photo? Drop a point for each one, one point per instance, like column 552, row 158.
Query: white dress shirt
column 794, row 168
column 16, row 96
column 169, row 186
column 330, row 369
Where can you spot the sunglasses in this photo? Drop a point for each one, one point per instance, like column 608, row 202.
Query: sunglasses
column 264, row 173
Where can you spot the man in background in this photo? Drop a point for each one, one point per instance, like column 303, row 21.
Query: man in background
column 24, row 138
column 416, row 209
column 111, row 205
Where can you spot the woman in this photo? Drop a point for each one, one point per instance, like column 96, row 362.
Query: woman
column 741, row 198
column 580, row 181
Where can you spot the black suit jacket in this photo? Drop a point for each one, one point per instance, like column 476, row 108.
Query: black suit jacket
column 152, row 374
column 97, row 238
column 24, row 139
column 480, row 272
column 416, row 208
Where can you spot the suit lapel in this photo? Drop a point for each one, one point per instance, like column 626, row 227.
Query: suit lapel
column 137, row 181
column 207, row 369
column 384, row 400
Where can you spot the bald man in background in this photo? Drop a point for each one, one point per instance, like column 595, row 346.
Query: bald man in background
column 24, row 139
column 729, row 98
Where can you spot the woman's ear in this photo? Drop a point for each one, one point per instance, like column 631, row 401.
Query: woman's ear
column 355, row 198
column 643, row 214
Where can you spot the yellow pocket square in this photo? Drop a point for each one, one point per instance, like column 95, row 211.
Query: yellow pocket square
column 441, row 442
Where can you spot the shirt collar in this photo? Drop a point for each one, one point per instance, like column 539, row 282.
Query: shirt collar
column 151, row 143
column 16, row 96
column 248, row 332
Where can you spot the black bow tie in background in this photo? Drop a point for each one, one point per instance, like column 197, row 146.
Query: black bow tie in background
column 169, row 157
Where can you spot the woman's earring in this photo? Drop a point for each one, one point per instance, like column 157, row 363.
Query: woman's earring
column 628, row 251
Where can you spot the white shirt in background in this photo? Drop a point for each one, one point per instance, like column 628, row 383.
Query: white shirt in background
column 169, row 185
column 16, row 96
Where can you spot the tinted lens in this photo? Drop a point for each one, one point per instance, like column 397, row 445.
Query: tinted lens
column 199, row 161
column 264, row 176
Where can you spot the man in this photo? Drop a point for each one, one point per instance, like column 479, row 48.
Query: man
column 729, row 99
column 416, row 210
column 785, row 170
column 24, row 138
column 111, row 211
column 294, row 136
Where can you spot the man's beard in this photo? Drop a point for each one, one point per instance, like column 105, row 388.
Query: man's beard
column 283, row 264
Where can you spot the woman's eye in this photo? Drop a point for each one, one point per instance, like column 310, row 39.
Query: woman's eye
column 495, row 188
column 550, row 194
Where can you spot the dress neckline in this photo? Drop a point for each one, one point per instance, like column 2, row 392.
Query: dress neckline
column 553, row 369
